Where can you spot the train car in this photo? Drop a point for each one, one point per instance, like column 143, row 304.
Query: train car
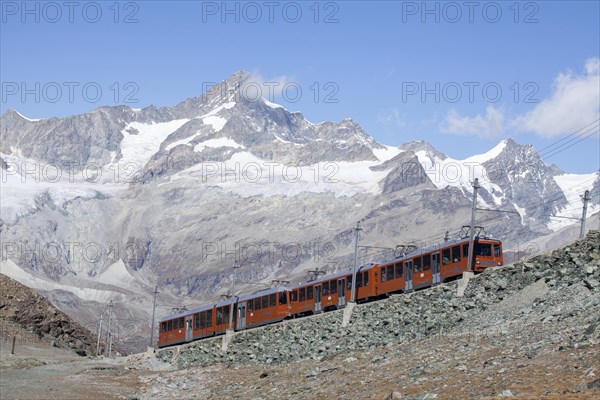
column 331, row 292
column 263, row 307
column 302, row 299
column 434, row 265
column 187, row 325
column 487, row 253
column 173, row 329
column 366, row 283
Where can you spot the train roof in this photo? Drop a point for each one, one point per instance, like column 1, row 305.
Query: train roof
column 184, row 312
column 264, row 292
column 334, row 275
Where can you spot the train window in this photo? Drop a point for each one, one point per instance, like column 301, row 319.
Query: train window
column 250, row 304
column 383, row 275
column 366, row 278
column 265, row 302
column 359, row 280
column 295, row 295
column 417, row 264
column 257, row 303
column 164, row 326
column 209, row 318
column 325, row 288
column 483, row 249
column 398, row 270
column 426, row 262
column 349, row 282
column 282, row 297
column 390, row 272
column 202, row 320
column 196, row 321
column 456, row 254
column 170, row 325
column 309, row 293
column 226, row 313
column 272, row 300
column 181, row 323
column 219, row 316
column 446, row 256
column 302, row 293
column 333, row 287
column 465, row 251
column 496, row 250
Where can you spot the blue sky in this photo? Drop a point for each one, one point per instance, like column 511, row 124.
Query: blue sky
column 462, row 77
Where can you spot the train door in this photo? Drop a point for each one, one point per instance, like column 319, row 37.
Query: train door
column 189, row 334
column 341, row 292
column 241, row 315
column 435, row 268
column 318, row 298
column 408, row 273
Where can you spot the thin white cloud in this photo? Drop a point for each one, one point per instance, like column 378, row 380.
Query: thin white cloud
column 270, row 88
column 391, row 117
column 575, row 102
column 488, row 126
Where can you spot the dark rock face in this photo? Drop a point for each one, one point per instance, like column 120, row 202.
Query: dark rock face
column 407, row 173
column 32, row 311
column 556, row 287
column 72, row 141
column 522, row 176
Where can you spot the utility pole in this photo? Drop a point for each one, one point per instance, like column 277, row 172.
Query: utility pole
column 153, row 316
column 110, row 339
column 110, row 305
column 357, row 238
column 586, row 198
column 472, row 226
column 99, row 334
column 235, row 266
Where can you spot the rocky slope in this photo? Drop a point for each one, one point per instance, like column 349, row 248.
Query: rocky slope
column 537, row 317
column 22, row 307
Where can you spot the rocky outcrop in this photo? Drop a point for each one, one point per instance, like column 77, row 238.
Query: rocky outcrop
column 33, row 312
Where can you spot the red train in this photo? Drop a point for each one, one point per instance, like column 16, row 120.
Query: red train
column 417, row 270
